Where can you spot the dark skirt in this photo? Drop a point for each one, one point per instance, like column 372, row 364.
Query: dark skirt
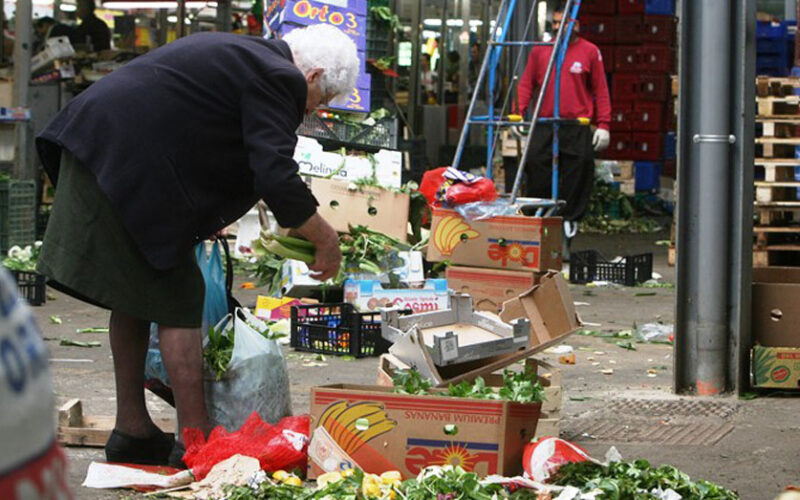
column 88, row 254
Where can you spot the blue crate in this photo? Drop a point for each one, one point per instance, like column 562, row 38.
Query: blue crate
column 768, row 46
column 768, row 29
column 670, row 146
column 659, row 7
column 648, row 175
column 772, row 70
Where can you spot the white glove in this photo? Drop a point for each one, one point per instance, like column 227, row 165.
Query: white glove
column 601, row 139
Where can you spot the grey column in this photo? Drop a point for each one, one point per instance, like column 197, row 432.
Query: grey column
column 413, row 94
column 23, row 37
column 224, row 16
column 715, row 202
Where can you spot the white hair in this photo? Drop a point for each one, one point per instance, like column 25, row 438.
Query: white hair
column 322, row 46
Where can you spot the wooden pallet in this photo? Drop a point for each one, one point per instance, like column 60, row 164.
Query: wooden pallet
column 77, row 429
column 671, row 256
column 776, row 86
column 780, row 127
column 769, row 191
column 777, row 213
column 777, row 255
column 778, row 147
column 778, row 106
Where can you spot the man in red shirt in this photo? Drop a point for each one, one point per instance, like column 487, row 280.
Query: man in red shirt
column 584, row 94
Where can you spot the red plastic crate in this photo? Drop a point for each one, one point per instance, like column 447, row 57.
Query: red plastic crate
column 598, row 29
column 630, row 6
column 648, row 116
column 658, row 29
column 620, row 146
column 657, row 58
column 621, row 116
column 628, row 29
column 669, row 169
column 607, row 51
column 599, row 7
column 627, row 58
column 647, row 146
column 653, row 88
column 624, row 86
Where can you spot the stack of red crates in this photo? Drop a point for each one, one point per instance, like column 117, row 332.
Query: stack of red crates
column 639, row 53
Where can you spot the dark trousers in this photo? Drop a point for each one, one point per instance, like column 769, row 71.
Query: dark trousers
column 576, row 167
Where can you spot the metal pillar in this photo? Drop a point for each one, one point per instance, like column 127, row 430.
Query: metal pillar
column 715, row 135
column 442, row 69
column 464, row 56
column 180, row 30
column 224, row 16
column 23, row 31
column 416, row 49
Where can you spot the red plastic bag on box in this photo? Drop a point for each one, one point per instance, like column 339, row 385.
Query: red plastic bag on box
column 283, row 446
column 453, row 187
column 542, row 458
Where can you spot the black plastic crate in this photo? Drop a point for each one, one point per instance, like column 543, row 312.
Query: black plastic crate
column 337, row 329
column 589, row 265
column 378, row 33
column 382, row 135
column 31, row 286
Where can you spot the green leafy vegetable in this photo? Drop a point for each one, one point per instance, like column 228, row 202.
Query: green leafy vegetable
column 92, row 330
column 79, row 343
column 519, row 387
column 410, row 382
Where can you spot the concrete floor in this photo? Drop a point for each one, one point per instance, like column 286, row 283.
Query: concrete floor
column 758, row 457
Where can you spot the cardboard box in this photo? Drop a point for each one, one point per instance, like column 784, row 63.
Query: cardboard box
column 350, row 16
column 508, row 242
column 55, row 48
column 359, row 99
column 370, row 295
column 297, row 282
column 549, row 377
column 408, row 433
column 551, row 312
column 775, row 314
column 344, row 205
column 281, row 29
column 776, row 367
column 313, row 160
column 489, row 288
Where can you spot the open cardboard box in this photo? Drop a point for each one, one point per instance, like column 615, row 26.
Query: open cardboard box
column 379, row 209
column 489, row 288
column 515, row 242
column 549, row 308
column 377, row 430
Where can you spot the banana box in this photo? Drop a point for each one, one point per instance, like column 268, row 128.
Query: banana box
column 515, row 242
column 373, row 428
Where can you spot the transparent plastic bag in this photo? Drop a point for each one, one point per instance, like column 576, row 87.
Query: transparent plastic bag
column 485, row 209
column 215, row 307
column 256, row 380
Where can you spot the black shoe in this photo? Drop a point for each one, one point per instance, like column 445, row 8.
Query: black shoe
column 176, row 456
column 153, row 450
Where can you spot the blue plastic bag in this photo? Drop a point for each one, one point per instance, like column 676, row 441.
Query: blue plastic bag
column 215, row 307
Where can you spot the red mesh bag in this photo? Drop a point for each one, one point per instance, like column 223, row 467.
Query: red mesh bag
column 460, row 193
column 432, row 181
column 283, row 446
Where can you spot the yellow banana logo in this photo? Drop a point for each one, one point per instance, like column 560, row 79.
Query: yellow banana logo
column 353, row 425
column 451, row 231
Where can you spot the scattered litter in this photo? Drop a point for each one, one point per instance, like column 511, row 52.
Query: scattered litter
column 607, row 371
column 589, row 293
column 590, row 358
column 313, row 364
column 581, row 303
column 656, row 276
column 348, row 358
column 626, row 345
column 655, row 333
column 247, row 285
column 79, row 343
column 611, row 361
column 567, row 359
column 587, row 435
column 651, row 373
column 662, row 243
column 237, row 470
column 649, row 360
column 596, row 363
column 92, row 330
column 613, row 455
column 645, row 294
column 70, row 360
column 51, row 296
column 748, row 396
column 579, row 398
column 55, row 320
column 600, row 353
column 102, row 475
column 594, row 325
column 561, row 349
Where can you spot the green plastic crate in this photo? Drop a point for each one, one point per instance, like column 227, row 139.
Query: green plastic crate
column 17, row 214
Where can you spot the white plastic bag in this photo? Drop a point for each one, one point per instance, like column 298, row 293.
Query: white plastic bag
column 256, row 380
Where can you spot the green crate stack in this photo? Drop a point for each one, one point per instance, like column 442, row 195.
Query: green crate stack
column 17, row 214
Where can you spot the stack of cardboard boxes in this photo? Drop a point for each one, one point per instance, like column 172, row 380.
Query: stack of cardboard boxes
column 350, row 16
column 494, row 259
